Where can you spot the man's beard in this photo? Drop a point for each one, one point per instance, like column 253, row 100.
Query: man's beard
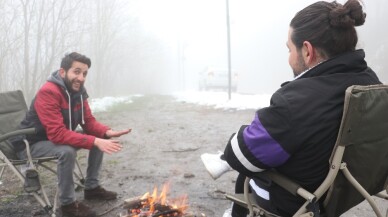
column 300, row 66
column 69, row 85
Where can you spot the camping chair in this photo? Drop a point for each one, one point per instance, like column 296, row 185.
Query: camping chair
column 360, row 153
column 13, row 109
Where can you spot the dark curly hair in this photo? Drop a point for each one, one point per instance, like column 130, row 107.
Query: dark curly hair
column 68, row 59
column 329, row 26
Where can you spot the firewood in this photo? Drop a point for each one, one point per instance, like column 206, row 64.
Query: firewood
column 134, row 203
column 167, row 212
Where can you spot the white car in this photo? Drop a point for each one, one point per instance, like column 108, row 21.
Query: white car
column 217, row 79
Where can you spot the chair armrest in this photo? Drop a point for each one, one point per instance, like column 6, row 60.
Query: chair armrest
column 28, row 131
column 287, row 184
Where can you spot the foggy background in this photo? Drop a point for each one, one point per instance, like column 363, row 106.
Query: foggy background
column 159, row 47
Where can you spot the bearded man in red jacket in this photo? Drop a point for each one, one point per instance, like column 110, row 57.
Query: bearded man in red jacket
column 57, row 109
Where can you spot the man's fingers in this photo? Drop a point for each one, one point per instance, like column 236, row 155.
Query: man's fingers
column 122, row 132
column 111, row 146
column 108, row 151
column 111, row 133
column 116, row 146
column 125, row 131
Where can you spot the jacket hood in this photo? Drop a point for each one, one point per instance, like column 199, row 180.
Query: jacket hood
column 81, row 95
column 56, row 78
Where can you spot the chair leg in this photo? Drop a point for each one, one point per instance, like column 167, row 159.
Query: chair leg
column 44, row 202
column 55, row 201
column 80, row 175
column 360, row 189
column 14, row 170
column 382, row 195
column 43, row 199
column 246, row 196
column 2, row 172
column 46, row 206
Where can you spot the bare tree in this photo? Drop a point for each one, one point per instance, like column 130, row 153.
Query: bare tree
column 8, row 40
column 28, row 7
column 107, row 16
column 49, row 29
column 35, row 34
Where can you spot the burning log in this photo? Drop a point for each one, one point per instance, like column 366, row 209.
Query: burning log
column 139, row 207
column 135, row 203
column 168, row 212
column 154, row 205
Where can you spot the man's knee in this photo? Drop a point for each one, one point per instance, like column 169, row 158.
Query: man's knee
column 67, row 153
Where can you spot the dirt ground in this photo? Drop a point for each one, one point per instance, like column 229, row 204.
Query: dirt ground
column 165, row 145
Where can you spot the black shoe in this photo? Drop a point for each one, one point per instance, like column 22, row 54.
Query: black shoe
column 32, row 183
column 77, row 209
column 99, row 193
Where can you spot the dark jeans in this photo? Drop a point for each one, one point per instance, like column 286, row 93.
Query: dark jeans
column 66, row 162
column 239, row 211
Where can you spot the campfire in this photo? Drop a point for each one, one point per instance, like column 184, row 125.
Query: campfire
column 155, row 205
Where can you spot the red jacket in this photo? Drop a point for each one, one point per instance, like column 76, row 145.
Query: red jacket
column 53, row 119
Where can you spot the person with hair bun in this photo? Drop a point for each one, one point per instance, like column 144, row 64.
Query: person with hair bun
column 296, row 134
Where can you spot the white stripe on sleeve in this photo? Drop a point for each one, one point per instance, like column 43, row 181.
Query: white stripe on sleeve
column 240, row 156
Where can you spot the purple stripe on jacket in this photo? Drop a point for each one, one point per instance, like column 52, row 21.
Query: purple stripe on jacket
column 263, row 146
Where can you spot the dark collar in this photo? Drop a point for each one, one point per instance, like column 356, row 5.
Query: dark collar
column 353, row 61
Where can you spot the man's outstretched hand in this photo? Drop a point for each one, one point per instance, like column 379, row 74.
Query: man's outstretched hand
column 111, row 146
column 111, row 133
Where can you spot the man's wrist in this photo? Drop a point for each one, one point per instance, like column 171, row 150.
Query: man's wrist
column 106, row 136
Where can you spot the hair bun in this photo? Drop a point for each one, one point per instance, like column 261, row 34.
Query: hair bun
column 348, row 15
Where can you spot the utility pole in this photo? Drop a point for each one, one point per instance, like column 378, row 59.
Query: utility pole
column 229, row 56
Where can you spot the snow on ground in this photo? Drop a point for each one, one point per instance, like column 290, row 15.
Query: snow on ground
column 103, row 104
column 221, row 99
column 208, row 98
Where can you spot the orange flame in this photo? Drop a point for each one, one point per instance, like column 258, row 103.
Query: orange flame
column 179, row 204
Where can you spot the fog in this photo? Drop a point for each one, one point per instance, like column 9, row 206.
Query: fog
column 160, row 47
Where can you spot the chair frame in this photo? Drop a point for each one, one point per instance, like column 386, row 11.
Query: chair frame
column 31, row 162
column 12, row 164
column 336, row 165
